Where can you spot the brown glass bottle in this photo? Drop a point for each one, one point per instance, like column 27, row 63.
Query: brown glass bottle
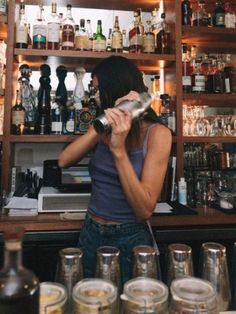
column 68, row 31
column 19, row 287
column 163, row 37
column 18, row 116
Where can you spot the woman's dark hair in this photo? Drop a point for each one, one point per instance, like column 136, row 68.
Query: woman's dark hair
column 117, row 76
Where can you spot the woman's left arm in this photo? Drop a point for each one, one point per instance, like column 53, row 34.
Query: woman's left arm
column 143, row 194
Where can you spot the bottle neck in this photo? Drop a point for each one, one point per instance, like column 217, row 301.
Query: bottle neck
column 13, row 255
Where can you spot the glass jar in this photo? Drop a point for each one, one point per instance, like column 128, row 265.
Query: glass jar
column 53, row 298
column 94, row 296
column 192, row 295
column 144, row 295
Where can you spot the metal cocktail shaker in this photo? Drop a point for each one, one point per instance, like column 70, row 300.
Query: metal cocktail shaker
column 137, row 108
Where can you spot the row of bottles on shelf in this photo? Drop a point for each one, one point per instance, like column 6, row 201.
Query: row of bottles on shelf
column 207, row 73
column 64, row 33
column 58, row 113
column 223, row 14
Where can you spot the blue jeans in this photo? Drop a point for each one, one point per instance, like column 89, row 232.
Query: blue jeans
column 124, row 236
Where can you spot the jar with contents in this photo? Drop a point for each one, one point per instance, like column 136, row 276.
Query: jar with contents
column 53, row 298
column 192, row 295
column 95, row 296
column 144, row 295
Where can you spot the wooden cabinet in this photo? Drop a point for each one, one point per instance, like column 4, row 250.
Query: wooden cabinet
column 170, row 66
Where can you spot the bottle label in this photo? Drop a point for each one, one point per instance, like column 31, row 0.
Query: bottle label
column 18, row 117
column 56, row 127
column 81, row 43
column 186, row 80
column 21, row 34
column 39, row 33
column 230, row 20
column 149, row 43
column 220, row 19
column 135, row 37
column 199, row 85
column 99, row 45
column 117, row 41
column 3, row 6
column 53, row 33
column 227, row 85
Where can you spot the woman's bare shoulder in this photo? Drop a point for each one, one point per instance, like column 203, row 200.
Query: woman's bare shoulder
column 160, row 133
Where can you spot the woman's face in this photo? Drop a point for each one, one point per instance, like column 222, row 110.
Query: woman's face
column 97, row 96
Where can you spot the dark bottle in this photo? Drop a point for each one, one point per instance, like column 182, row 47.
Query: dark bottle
column 18, row 116
column 163, row 37
column 44, row 102
column 56, row 118
column 186, row 70
column 19, row 287
column 200, row 16
column 61, row 92
column 218, row 17
column 68, row 126
column 186, row 12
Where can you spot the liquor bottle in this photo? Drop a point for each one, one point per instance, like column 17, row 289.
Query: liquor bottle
column 81, row 37
column 218, row 17
column 99, row 41
column 90, row 35
column 200, row 16
column 17, row 116
column 21, row 29
column 19, row 287
column 155, row 88
column 28, row 99
column 108, row 48
column 186, row 70
column 3, row 7
column 40, row 30
column 219, row 76
column 198, row 78
column 60, row 15
column 53, row 35
column 186, row 12
column 163, row 37
column 68, row 30
column 79, row 93
column 44, row 101
column 56, row 117
column 69, row 123
column 148, row 39
column 116, row 37
column 165, row 108
column 156, row 22
column 230, row 17
column 136, row 35
column 29, row 41
column 125, row 41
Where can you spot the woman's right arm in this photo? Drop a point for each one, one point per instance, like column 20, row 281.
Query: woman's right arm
column 75, row 151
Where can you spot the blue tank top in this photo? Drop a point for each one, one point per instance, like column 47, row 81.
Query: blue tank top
column 107, row 198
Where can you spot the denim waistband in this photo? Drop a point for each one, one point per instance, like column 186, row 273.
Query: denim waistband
column 124, row 228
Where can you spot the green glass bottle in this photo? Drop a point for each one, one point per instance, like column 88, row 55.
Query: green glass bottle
column 99, row 41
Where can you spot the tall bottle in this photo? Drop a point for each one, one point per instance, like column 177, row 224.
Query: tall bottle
column 19, row 287
column 182, row 191
column 230, row 16
column 99, row 40
column 68, row 30
column 40, row 30
column 56, row 117
column 53, row 28
column 90, row 34
column 148, row 39
column 21, row 29
column 163, row 37
column 44, row 102
column 218, row 17
column 17, row 116
column 186, row 12
column 136, row 34
column 186, row 70
column 200, row 16
column 116, row 37
column 81, row 38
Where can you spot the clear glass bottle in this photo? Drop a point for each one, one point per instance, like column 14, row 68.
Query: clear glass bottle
column 68, row 30
column 125, row 41
column 19, row 287
column 81, row 38
column 108, row 48
column 163, row 37
column 21, row 29
column 116, row 37
column 218, row 17
column 90, row 34
column 17, row 116
column 230, row 17
column 99, row 41
column 40, row 30
column 53, row 36
column 56, row 117
column 200, row 16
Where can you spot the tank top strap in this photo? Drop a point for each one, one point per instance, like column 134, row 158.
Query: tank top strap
column 145, row 142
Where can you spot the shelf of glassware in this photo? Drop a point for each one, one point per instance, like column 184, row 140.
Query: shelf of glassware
column 216, row 100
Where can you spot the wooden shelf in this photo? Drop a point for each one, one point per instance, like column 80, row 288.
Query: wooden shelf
column 211, row 100
column 35, row 57
column 210, row 38
column 42, row 138
column 211, row 139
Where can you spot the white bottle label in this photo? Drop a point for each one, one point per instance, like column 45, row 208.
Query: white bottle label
column 53, row 32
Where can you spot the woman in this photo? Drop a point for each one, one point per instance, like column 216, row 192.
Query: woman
column 127, row 167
